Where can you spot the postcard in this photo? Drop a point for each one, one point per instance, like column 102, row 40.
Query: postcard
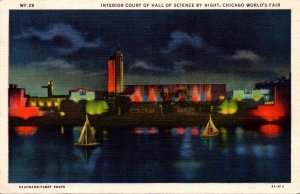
column 149, row 96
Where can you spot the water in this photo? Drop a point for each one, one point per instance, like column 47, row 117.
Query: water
column 151, row 155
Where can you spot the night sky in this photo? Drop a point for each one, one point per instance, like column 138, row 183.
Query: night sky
column 71, row 48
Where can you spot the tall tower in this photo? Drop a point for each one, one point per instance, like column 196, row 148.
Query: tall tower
column 50, row 88
column 115, row 72
column 119, row 71
column 111, row 75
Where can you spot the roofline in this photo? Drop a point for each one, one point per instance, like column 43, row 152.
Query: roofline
column 175, row 84
column 75, row 90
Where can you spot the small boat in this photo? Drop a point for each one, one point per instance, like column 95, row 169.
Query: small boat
column 86, row 139
column 210, row 129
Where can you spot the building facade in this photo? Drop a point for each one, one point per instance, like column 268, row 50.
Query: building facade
column 81, row 94
column 46, row 103
column 18, row 103
column 176, row 92
column 115, row 72
column 255, row 94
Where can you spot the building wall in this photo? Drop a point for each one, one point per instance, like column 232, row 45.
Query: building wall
column 46, row 102
column 16, row 97
column 82, row 94
column 218, row 92
column 175, row 92
column 111, row 76
column 256, row 94
column 119, row 71
column 17, row 104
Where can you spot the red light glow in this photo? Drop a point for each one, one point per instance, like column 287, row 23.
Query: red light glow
column 181, row 97
column 24, row 112
column 152, row 94
column 180, row 131
column 137, row 95
column 152, row 130
column 177, row 92
column 138, row 130
column 195, row 93
column 26, row 130
column 17, row 105
column 195, row 131
column 180, row 87
column 111, row 81
column 271, row 130
column 208, row 93
column 271, row 112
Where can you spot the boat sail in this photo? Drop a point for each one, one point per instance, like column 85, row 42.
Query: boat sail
column 86, row 139
column 210, row 129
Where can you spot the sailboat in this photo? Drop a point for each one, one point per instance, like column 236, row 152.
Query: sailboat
column 210, row 129
column 86, row 139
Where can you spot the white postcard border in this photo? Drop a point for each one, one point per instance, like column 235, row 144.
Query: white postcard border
column 293, row 187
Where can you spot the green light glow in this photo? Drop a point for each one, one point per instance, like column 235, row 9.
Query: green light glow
column 256, row 95
column 77, row 96
column 74, row 97
column 90, row 96
column 228, row 107
column 239, row 96
column 96, row 107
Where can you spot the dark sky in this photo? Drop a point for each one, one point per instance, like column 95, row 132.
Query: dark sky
column 71, row 48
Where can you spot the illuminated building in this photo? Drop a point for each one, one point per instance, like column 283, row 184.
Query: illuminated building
column 17, row 102
column 274, row 111
column 46, row 103
column 255, row 94
column 52, row 102
column 281, row 105
column 281, row 82
column 283, row 86
column 158, row 93
column 81, row 94
column 115, row 73
column 176, row 92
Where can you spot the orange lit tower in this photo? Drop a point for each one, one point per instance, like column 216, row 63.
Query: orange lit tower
column 115, row 72
column 111, row 74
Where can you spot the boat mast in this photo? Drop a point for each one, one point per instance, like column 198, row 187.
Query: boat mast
column 86, row 132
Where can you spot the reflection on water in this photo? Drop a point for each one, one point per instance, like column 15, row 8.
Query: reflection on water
column 186, row 150
column 145, row 130
column 271, row 130
column 180, row 131
column 258, row 150
column 62, row 130
column 223, row 130
column 151, row 154
column 239, row 131
column 195, row 131
column 89, row 158
column 26, row 130
column 187, row 163
column 152, row 130
column 138, row 130
column 264, row 150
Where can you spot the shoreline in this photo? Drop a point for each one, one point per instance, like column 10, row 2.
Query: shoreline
column 146, row 119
